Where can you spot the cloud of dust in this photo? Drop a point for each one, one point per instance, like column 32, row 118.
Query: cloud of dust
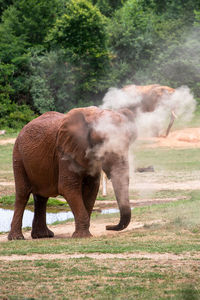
column 150, row 124
column 117, row 98
column 117, row 132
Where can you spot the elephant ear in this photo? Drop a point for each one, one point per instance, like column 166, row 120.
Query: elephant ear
column 73, row 136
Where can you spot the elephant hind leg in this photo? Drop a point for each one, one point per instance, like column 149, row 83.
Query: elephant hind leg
column 39, row 226
column 23, row 190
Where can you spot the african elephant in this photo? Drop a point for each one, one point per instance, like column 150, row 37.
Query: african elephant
column 63, row 154
column 151, row 97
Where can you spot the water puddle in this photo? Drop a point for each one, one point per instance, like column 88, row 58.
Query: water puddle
column 7, row 214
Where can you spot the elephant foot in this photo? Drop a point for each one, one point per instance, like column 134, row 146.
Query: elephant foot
column 15, row 236
column 39, row 234
column 81, row 234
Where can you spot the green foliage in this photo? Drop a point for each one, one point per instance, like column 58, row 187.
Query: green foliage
column 176, row 8
column 197, row 18
column 156, row 41
column 132, row 37
column 80, row 29
column 4, row 4
column 108, row 7
column 13, row 115
column 31, row 19
column 58, row 54
column 13, row 61
column 80, row 33
column 178, row 64
column 24, row 26
column 54, row 83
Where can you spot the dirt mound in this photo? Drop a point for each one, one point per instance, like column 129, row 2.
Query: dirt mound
column 185, row 138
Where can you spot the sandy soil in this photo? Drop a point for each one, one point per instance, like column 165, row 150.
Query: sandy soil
column 165, row 257
column 7, row 141
column 97, row 228
column 184, row 138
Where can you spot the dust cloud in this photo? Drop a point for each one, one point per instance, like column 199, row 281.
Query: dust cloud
column 118, row 98
column 149, row 124
column 116, row 131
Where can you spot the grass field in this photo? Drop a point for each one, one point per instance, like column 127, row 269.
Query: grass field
column 171, row 276
column 160, row 260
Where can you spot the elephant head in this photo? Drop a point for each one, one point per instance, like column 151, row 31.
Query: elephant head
column 99, row 139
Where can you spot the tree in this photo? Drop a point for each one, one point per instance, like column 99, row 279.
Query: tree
column 31, row 19
column 108, row 7
column 11, row 114
column 80, row 32
column 52, row 83
column 132, row 37
column 4, row 5
column 24, row 27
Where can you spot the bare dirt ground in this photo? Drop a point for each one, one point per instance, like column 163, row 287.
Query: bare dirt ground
column 97, row 228
column 7, row 141
column 165, row 257
column 187, row 138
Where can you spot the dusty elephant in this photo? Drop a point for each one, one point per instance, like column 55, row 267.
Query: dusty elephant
column 63, row 154
column 151, row 97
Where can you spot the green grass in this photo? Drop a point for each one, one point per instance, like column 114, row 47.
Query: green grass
column 195, row 122
column 10, row 133
column 169, row 159
column 52, row 202
column 6, row 157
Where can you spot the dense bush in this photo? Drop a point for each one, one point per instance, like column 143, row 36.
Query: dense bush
column 13, row 115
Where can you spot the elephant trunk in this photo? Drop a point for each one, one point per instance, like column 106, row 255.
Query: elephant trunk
column 120, row 181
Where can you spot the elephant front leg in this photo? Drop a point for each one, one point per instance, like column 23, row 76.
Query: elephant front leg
column 90, row 188
column 39, row 227
column 81, row 216
column 70, row 187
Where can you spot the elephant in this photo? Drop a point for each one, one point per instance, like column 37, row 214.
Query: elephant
column 63, row 154
column 151, row 97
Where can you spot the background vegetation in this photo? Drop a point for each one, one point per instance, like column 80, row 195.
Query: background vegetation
column 60, row 54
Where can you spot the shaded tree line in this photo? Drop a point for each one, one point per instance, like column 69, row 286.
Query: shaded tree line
column 60, row 54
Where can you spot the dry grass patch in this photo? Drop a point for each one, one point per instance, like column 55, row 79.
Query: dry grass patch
column 93, row 279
